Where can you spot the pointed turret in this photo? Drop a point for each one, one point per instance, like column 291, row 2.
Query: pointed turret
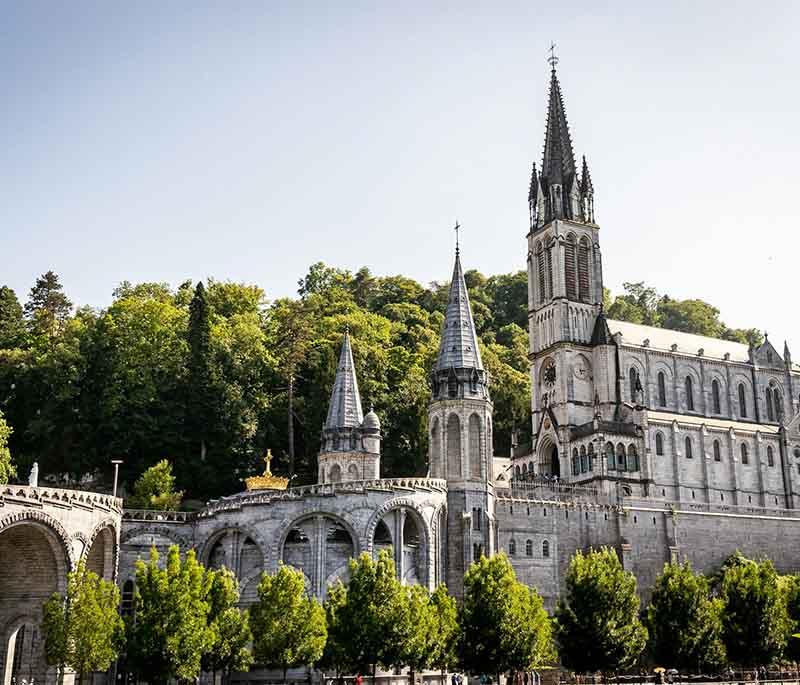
column 601, row 335
column 344, row 410
column 458, row 348
column 350, row 445
column 533, row 198
column 787, row 356
column 459, row 371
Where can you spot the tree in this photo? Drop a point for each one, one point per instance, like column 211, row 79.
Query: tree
column 597, row 619
column 754, row 618
column 171, row 631
column 504, row 624
column 12, row 323
column 791, row 589
column 418, row 624
column 83, row 631
column 201, row 373
column 155, row 489
column 445, row 631
column 691, row 316
column 335, row 655
column 684, row 623
column 366, row 630
column 47, row 308
column 7, row 468
column 288, row 625
column 230, row 627
column 639, row 304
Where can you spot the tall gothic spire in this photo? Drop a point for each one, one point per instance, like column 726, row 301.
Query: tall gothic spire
column 558, row 161
column 458, row 348
column 344, row 410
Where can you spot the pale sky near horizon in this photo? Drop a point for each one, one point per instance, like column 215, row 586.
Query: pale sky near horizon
column 154, row 141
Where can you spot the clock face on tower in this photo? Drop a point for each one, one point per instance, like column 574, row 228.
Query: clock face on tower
column 549, row 373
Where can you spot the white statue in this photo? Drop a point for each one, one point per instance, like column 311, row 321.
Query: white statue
column 33, row 479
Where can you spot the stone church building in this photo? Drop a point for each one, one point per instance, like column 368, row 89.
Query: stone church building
column 661, row 444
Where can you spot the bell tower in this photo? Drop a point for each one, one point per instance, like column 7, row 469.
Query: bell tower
column 565, row 283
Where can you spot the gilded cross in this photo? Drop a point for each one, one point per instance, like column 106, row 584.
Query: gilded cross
column 267, row 460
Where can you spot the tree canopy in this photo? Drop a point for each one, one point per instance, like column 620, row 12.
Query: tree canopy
column 211, row 374
column 597, row 619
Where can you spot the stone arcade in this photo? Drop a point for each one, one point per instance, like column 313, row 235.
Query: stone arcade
column 661, row 444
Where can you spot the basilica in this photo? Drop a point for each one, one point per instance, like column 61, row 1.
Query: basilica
column 660, row 444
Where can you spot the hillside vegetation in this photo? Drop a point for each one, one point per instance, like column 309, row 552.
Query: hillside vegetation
column 203, row 375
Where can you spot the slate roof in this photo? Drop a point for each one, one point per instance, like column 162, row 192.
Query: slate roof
column 344, row 410
column 688, row 343
column 724, row 424
column 458, row 348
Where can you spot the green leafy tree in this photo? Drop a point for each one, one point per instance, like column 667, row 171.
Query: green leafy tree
column 597, row 619
column 155, row 489
column 639, row 304
column 83, row 631
column 47, row 308
column 754, row 619
column 791, row 589
column 171, row 630
column 416, row 649
column 684, row 623
column 288, row 625
column 445, row 631
column 7, row 468
column 230, row 626
column 12, row 322
column 504, row 624
column 691, row 316
column 366, row 631
column 335, row 655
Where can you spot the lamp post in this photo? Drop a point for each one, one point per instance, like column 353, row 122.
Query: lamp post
column 116, row 463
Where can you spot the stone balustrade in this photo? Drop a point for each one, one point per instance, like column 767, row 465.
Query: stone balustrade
column 25, row 494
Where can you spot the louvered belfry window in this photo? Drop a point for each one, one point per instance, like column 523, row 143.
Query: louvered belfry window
column 570, row 275
column 583, row 270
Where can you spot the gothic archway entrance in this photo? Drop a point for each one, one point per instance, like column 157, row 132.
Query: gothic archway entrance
column 549, row 463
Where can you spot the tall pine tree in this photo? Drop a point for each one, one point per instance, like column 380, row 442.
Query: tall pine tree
column 12, row 323
column 47, row 308
column 201, row 417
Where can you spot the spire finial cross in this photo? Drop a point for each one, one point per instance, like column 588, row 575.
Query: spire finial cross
column 457, row 228
column 553, row 60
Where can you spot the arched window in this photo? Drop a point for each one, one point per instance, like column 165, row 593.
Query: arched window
column 633, row 458
column 545, row 549
column 583, row 459
column 620, row 457
column 575, row 466
column 715, row 397
column 778, row 399
column 453, row 446
column 452, row 384
column 742, row 402
column 512, row 548
column 659, row 445
column 583, row 270
column 540, row 270
column 436, row 450
column 633, row 375
column 745, row 454
column 517, row 472
column 770, row 408
column 548, row 268
column 770, row 456
column 612, row 464
column 689, row 394
column 570, row 267
column 688, row 444
column 590, row 456
column 662, row 390
column 524, row 469
column 717, row 454
column 474, row 447
column 529, row 548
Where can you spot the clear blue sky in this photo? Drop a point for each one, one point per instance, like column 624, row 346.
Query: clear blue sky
column 245, row 141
